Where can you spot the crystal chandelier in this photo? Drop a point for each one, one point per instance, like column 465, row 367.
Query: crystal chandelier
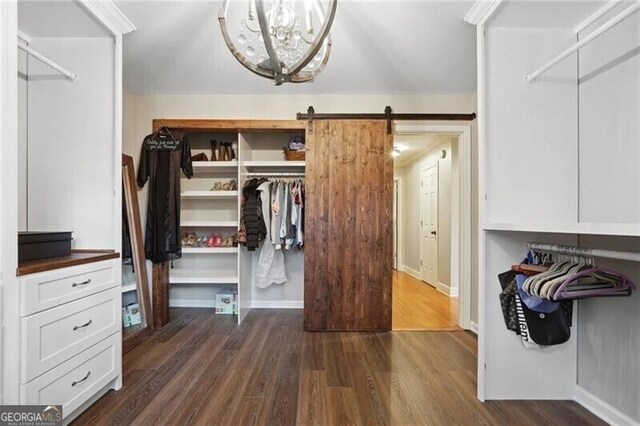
column 282, row 40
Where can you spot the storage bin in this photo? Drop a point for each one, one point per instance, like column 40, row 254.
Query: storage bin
column 42, row 245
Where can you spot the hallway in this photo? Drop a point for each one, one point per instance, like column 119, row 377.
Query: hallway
column 419, row 306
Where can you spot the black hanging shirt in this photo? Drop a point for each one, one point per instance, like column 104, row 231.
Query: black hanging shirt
column 161, row 159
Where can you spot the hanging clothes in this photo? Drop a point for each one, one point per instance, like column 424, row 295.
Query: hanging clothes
column 252, row 224
column 162, row 156
column 270, row 269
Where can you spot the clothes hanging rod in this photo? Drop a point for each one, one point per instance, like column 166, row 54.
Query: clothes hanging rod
column 70, row 76
column 268, row 174
column 635, row 7
column 581, row 251
column 595, row 16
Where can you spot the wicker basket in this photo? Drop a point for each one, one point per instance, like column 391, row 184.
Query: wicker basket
column 290, row 155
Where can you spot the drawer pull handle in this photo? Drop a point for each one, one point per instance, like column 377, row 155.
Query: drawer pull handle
column 78, row 327
column 81, row 380
column 82, row 283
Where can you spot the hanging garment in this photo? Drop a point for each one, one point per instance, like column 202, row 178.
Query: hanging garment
column 252, row 222
column 162, row 156
column 270, row 269
column 276, row 218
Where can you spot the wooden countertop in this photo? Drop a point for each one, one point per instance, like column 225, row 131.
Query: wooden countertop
column 77, row 257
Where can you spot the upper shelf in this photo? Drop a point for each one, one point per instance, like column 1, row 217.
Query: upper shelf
column 274, row 165
column 205, row 125
column 204, row 195
column 619, row 229
column 214, row 166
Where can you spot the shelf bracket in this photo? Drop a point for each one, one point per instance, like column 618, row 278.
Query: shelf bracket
column 388, row 116
column 310, row 112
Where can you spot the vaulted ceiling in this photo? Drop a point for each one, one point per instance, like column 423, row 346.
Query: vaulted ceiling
column 379, row 47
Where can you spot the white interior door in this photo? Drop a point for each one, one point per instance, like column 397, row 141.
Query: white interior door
column 395, row 224
column 429, row 225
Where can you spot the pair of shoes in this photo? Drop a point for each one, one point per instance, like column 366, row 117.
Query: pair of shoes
column 228, row 242
column 189, row 239
column 230, row 185
column 200, row 157
column 214, row 240
column 223, row 151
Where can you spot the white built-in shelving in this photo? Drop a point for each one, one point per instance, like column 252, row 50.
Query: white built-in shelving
column 273, row 165
column 209, row 250
column 200, row 167
column 209, row 224
column 128, row 287
column 622, row 229
column 202, row 276
column 205, row 195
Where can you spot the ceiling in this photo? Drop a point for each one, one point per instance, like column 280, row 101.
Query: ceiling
column 546, row 14
column 413, row 147
column 57, row 19
column 379, row 47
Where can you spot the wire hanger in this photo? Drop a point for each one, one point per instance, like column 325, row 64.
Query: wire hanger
column 163, row 128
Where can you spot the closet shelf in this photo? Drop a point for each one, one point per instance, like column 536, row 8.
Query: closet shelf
column 209, row 250
column 209, row 224
column 621, row 229
column 205, row 195
column 201, row 277
column 214, row 166
column 271, row 165
column 126, row 288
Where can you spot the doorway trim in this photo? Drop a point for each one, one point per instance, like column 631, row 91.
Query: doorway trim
column 399, row 225
column 461, row 218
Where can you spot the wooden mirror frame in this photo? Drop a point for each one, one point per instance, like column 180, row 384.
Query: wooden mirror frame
column 136, row 334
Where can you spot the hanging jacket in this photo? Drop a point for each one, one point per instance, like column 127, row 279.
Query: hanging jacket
column 251, row 217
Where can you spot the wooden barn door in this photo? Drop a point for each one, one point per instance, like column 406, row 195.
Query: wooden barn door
column 348, row 226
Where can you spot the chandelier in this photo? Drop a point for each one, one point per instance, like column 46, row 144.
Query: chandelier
column 282, row 40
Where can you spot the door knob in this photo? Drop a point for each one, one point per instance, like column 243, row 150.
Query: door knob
column 433, row 232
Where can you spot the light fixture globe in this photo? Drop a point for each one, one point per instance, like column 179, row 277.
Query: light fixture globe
column 282, row 40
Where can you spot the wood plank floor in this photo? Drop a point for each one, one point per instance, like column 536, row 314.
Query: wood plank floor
column 203, row 369
column 419, row 306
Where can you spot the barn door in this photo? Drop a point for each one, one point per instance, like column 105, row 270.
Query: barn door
column 348, row 226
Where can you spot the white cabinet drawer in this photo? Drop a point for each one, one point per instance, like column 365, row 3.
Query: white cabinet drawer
column 53, row 288
column 78, row 379
column 51, row 337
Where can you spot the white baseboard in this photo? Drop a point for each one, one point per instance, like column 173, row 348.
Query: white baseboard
column 606, row 412
column 449, row 291
column 474, row 327
column 277, row 304
column 195, row 303
column 415, row 274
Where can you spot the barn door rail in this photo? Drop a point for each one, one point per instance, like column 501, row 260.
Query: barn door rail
column 388, row 115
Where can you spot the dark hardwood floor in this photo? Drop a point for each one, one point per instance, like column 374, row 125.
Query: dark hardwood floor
column 203, row 369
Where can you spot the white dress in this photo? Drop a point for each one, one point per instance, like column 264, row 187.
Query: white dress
column 270, row 269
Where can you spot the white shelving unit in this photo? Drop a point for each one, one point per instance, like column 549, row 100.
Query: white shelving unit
column 126, row 288
column 276, row 165
column 201, row 277
column 555, row 166
column 209, row 250
column 209, row 224
column 203, row 271
column 206, row 195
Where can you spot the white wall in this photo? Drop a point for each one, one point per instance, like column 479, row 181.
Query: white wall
column 609, row 331
column 22, row 140
column 140, row 110
column 411, row 175
column 71, row 152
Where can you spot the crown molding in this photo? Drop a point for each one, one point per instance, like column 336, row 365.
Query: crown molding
column 481, row 11
column 109, row 15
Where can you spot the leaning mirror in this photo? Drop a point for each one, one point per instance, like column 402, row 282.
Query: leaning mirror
column 136, row 303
